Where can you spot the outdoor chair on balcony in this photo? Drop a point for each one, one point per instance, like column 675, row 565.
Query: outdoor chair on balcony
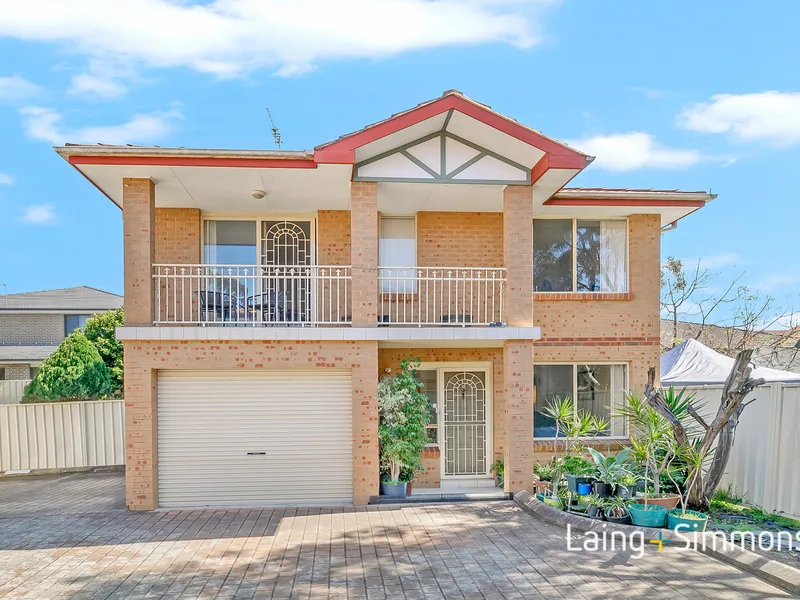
column 271, row 308
column 218, row 306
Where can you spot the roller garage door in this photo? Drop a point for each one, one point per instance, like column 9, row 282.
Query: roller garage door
column 270, row 438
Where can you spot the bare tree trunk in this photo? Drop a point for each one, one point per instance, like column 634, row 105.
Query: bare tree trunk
column 721, row 432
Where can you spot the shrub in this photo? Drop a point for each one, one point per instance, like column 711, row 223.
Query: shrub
column 404, row 414
column 74, row 371
column 101, row 331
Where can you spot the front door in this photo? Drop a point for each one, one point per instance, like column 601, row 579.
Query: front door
column 286, row 256
column 464, row 422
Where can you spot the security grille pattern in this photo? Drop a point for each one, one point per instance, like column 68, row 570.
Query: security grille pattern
column 465, row 423
column 285, row 246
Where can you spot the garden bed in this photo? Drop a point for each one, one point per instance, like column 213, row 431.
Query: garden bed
column 729, row 515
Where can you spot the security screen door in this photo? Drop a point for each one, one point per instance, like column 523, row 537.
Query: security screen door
column 464, row 420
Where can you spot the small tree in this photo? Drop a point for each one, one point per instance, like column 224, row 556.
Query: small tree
column 404, row 415
column 74, row 371
column 101, row 331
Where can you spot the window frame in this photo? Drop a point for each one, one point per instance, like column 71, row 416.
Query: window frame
column 77, row 316
column 575, row 220
column 411, row 286
column 575, row 366
column 258, row 219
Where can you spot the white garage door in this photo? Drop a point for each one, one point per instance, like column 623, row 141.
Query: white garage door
column 234, row 438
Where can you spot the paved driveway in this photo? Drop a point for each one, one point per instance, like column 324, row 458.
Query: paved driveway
column 69, row 536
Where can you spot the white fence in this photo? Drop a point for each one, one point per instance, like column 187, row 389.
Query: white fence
column 59, row 435
column 441, row 295
column 764, row 466
column 252, row 295
column 11, row 390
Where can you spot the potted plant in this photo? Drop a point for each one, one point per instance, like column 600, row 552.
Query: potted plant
column 404, row 415
column 498, row 468
column 594, row 508
column 626, row 487
column 616, row 510
column 610, row 470
column 647, row 515
column 544, row 472
column 691, row 520
column 578, row 471
column 652, row 445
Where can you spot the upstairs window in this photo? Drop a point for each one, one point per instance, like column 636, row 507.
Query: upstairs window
column 73, row 322
column 398, row 248
column 579, row 255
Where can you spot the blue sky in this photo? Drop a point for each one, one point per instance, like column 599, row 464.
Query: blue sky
column 689, row 95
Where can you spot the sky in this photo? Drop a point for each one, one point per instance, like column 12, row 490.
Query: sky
column 688, row 95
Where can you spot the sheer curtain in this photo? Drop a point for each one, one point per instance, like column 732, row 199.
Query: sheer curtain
column 618, row 425
column 613, row 256
column 398, row 248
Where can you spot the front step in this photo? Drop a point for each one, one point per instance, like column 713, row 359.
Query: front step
column 464, row 483
column 444, row 495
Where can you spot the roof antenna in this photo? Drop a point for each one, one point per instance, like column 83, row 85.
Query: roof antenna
column 276, row 135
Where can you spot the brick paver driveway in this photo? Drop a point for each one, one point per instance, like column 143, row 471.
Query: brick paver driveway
column 68, row 536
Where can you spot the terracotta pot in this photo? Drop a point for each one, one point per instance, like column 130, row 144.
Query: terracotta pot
column 408, row 488
column 542, row 487
column 670, row 502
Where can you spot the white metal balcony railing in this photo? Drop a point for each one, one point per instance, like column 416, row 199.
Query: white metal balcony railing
column 252, row 295
column 454, row 296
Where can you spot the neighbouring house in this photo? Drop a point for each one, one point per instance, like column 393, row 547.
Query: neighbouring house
column 777, row 348
column 33, row 324
column 267, row 291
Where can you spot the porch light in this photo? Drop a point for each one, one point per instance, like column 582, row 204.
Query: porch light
column 258, row 194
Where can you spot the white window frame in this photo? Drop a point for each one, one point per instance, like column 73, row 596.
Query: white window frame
column 258, row 219
column 575, row 366
column 413, row 284
column 575, row 220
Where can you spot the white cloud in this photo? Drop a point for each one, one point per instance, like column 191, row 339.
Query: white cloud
column 232, row 37
column 771, row 283
column 6, row 179
column 96, row 85
column 39, row 214
column 44, row 124
column 771, row 117
column 635, row 150
column 15, row 88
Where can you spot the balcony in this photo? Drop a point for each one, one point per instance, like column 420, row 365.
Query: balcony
column 446, row 296
column 307, row 296
column 252, row 295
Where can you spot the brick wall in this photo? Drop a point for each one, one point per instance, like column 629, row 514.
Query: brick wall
column 142, row 359
column 12, row 372
column 364, row 252
column 454, row 239
column 138, row 225
column 31, row 330
column 390, row 358
column 177, row 235
column 333, row 237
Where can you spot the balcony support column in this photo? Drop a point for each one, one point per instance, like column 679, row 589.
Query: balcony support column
column 138, row 221
column 364, row 252
column 518, row 255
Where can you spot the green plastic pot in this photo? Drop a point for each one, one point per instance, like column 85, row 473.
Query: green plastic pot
column 652, row 516
column 675, row 518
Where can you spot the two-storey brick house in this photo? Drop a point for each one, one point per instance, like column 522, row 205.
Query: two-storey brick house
column 33, row 324
column 266, row 293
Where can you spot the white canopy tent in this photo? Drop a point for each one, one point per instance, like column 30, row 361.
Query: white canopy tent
column 692, row 364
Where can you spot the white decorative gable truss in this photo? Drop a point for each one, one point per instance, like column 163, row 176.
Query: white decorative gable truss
column 442, row 157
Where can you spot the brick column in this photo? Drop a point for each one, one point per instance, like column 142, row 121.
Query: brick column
column 138, row 220
column 366, row 463
column 518, row 413
column 518, row 255
column 364, row 253
column 141, row 431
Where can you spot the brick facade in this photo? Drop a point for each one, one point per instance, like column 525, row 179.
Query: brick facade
column 138, row 225
column 177, row 236
column 459, row 239
column 333, row 237
column 364, row 252
column 31, row 329
column 143, row 359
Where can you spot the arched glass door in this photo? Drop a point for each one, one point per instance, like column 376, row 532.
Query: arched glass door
column 286, row 258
